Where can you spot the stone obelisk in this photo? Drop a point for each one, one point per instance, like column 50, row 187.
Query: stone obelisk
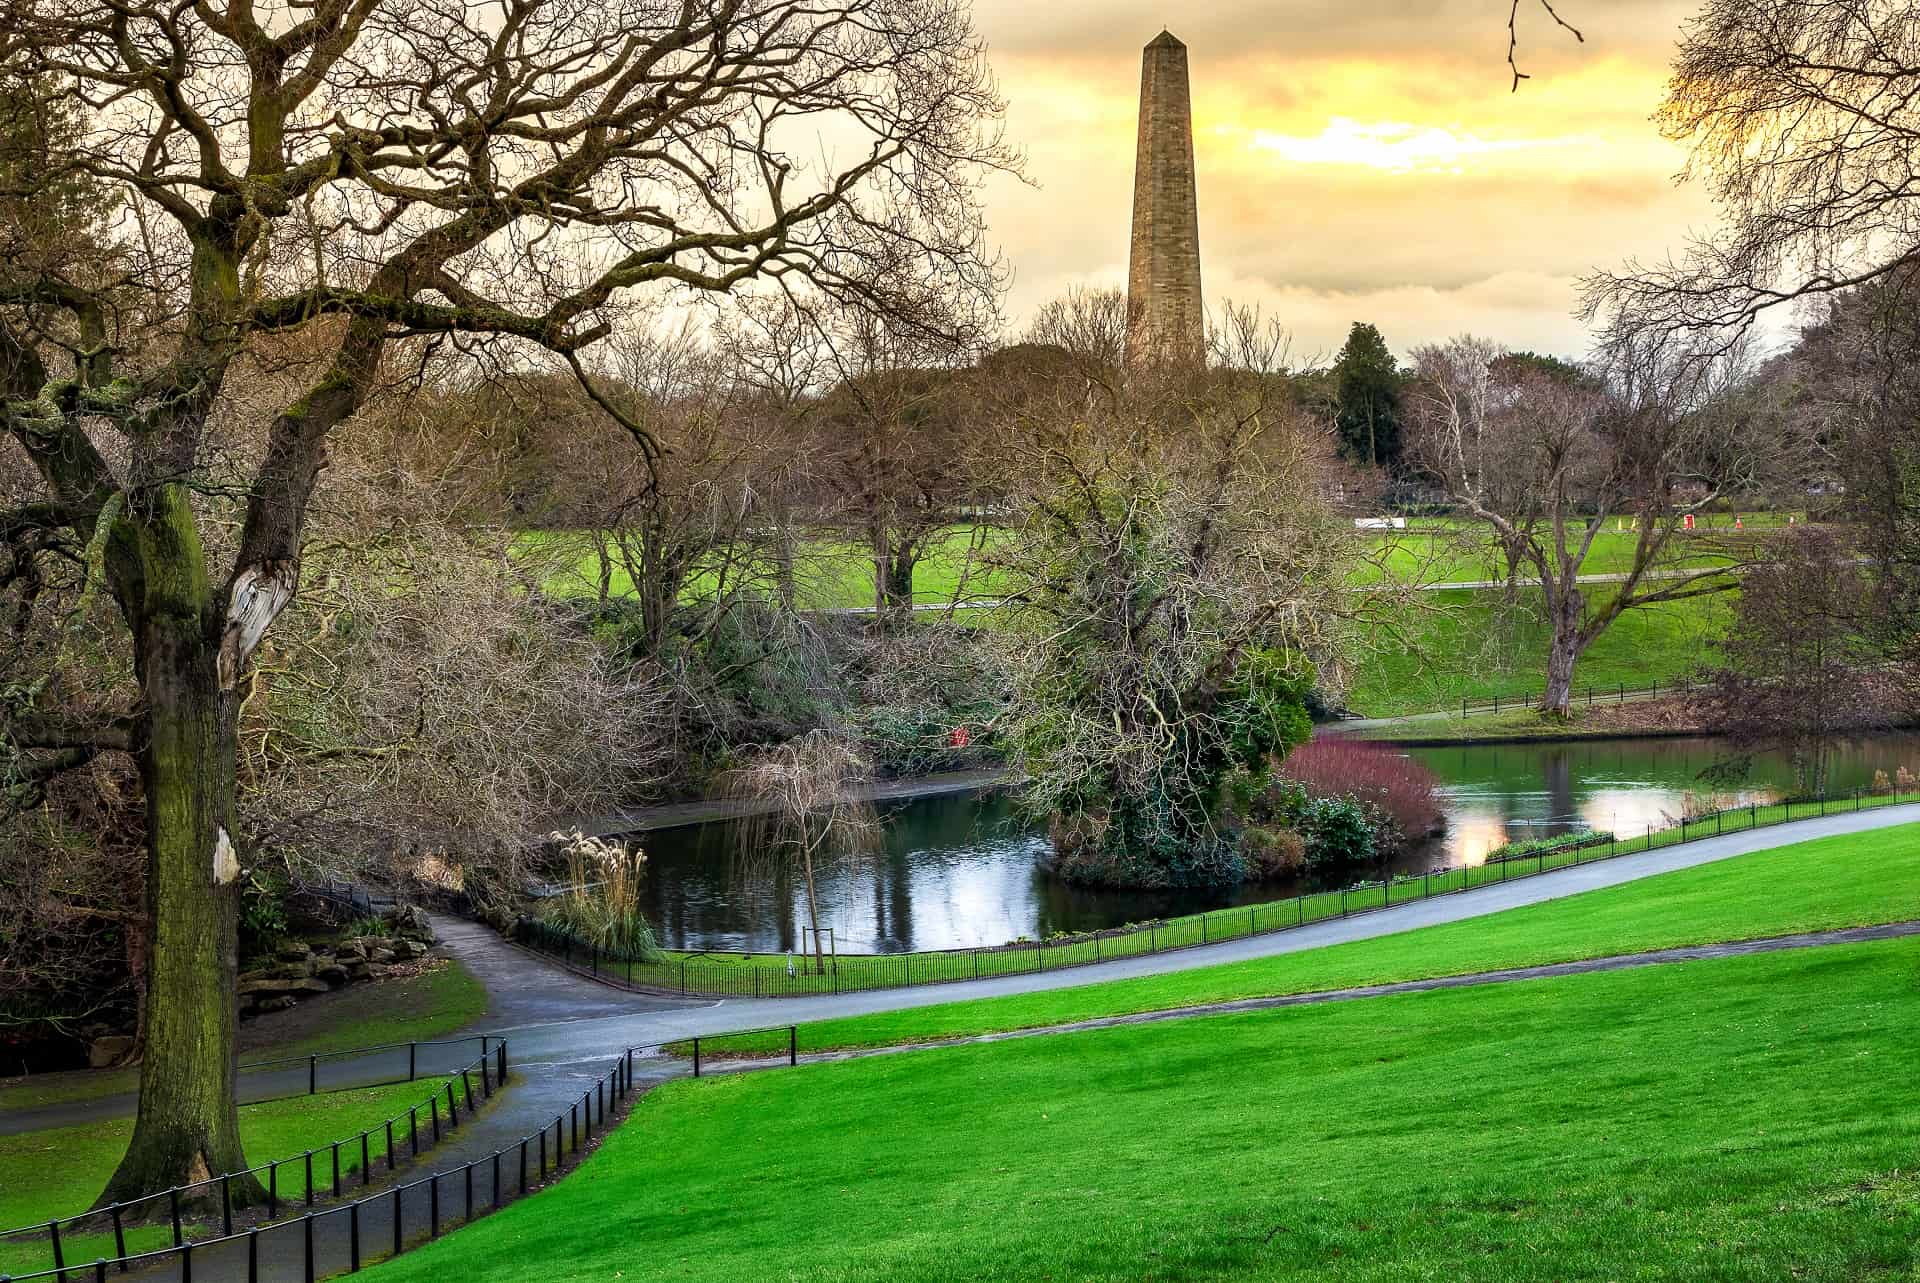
column 1165, row 321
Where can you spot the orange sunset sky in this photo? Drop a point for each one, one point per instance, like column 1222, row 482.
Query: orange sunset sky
column 1358, row 159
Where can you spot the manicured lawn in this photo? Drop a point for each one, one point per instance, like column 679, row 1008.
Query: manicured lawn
column 432, row 1004
column 1746, row 1120
column 70, row 1165
column 1824, row 884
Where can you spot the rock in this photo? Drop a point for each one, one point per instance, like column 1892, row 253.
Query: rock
column 409, row 949
column 410, row 920
column 349, row 953
column 280, row 985
column 332, row 973
column 357, row 970
column 292, row 970
column 380, row 955
column 367, row 944
column 377, row 970
column 280, row 1003
column 108, row 1051
column 298, row 951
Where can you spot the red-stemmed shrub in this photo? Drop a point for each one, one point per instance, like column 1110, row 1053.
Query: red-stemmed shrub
column 1386, row 781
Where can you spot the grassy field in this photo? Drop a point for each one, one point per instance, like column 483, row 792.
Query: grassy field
column 432, row 1004
column 1733, row 1121
column 1451, row 644
column 70, row 1165
column 1468, row 645
column 1823, row 884
column 838, row 572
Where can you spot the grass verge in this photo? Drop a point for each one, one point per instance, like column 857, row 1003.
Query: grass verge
column 71, row 1165
column 1719, row 1122
column 1824, row 884
column 432, row 1004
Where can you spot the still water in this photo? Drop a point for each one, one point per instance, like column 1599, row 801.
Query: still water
column 965, row 870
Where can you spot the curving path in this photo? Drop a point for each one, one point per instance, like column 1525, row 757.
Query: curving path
column 564, row 1031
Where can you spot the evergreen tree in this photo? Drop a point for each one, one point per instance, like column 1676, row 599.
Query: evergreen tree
column 1368, row 384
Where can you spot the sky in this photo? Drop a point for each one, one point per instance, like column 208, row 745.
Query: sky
column 1357, row 159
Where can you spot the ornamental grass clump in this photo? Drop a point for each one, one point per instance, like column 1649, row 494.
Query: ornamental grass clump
column 601, row 903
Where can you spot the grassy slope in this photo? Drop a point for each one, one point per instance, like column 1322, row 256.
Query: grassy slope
column 1473, row 648
column 1823, row 884
column 71, row 1164
column 414, row 1008
column 1718, row 1121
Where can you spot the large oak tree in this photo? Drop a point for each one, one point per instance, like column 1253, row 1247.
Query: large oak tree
column 383, row 174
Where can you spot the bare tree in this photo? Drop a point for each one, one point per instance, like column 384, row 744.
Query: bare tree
column 807, row 811
column 1800, row 666
column 1546, row 459
column 1802, row 120
column 1170, row 567
column 372, row 171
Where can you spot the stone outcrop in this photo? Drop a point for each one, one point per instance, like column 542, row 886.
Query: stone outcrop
column 1165, row 317
column 299, row 970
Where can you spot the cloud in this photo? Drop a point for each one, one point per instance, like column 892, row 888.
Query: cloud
column 1397, row 146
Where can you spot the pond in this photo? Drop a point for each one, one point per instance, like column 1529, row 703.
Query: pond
column 965, row 870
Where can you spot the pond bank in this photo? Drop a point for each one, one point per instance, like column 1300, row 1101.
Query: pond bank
column 675, row 815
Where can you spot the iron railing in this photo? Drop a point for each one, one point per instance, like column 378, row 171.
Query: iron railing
column 1586, row 696
column 176, row 1208
column 378, row 1226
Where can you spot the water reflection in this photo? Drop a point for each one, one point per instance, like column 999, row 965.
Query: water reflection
column 963, row 870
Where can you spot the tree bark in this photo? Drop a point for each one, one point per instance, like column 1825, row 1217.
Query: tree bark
column 187, row 1129
column 1563, row 652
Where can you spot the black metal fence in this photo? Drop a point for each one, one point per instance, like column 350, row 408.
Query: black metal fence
column 1586, row 696
column 777, row 976
column 377, row 1065
column 293, row 1181
column 379, row 1226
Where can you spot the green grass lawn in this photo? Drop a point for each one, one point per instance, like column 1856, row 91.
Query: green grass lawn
column 1828, row 883
column 1466, row 644
column 1738, row 1121
column 432, row 1004
column 1451, row 644
column 71, row 1165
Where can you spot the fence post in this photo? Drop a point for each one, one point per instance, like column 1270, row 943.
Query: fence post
column 59, row 1257
column 466, row 1182
column 793, row 1038
column 119, row 1238
column 253, row 1256
column 353, row 1238
column 306, row 1233
column 173, row 1206
column 186, row 1263
column 413, row 1056
column 1343, row 902
column 366, row 1163
column 696, row 1057
column 399, row 1243
column 309, row 1162
column 496, row 1180
column 226, row 1208
column 389, row 1126
column 433, row 1207
column 313, row 1075
column 336, row 1169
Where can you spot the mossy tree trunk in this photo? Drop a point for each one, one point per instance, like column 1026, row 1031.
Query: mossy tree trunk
column 187, row 1128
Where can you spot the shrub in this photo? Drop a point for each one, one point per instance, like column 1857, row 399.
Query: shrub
column 1339, row 834
column 1546, row 846
column 1402, row 793
column 1272, row 855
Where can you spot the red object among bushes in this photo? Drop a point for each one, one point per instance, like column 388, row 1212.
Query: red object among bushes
column 1374, row 774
